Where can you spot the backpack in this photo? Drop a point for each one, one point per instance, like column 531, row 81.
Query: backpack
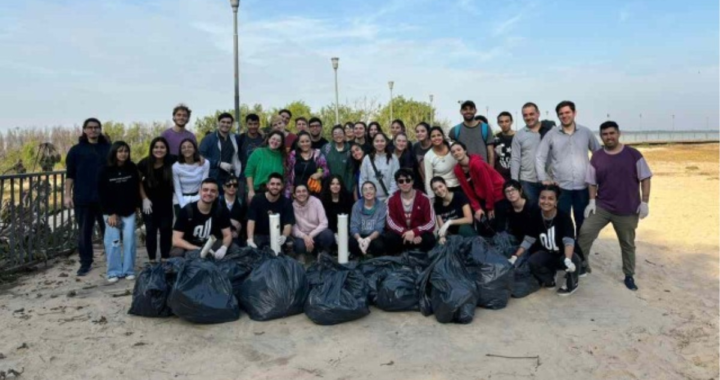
column 456, row 131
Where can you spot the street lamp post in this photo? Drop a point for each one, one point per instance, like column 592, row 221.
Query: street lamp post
column 235, row 5
column 432, row 111
column 391, row 84
column 335, row 62
column 641, row 122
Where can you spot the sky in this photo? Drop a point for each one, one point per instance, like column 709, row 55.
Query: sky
column 640, row 62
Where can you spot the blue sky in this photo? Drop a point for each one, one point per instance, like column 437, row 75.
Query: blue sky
column 131, row 60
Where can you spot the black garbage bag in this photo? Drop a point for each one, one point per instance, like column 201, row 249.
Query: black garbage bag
column 338, row 292
column 150, row 293
column 504, row 243
column 492, row 273
column 446, row 288
column 276, row 287
column 375, row 271
column 172, row 267
column 399, row 291
column 235, row 272
column 525, row 282
column 203, row 294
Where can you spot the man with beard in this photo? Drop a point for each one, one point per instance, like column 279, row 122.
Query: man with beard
column 318, row 142
column 262, row 206
column 178, row 133
column 524, row 147
column 221, row 149
column 301, row 124
column 198, row 220
column 475, row 134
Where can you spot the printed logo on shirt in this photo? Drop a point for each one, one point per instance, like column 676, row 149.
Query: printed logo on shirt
column 504, row 153
column 202, row 232
column 548, row 240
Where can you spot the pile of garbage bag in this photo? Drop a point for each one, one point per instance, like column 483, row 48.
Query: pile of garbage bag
column 338, row 292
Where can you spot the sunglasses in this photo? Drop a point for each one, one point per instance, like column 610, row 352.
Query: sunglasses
column 231, row 185
column 403, row 181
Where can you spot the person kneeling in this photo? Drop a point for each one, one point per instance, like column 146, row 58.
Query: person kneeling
column 261, row 207
column 546, row 232
column 310, row 231
column 367, row 222
column 453, row 211
column 198, row 220
column 411, row 218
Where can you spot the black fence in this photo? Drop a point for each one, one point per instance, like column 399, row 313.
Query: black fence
column 34, row 224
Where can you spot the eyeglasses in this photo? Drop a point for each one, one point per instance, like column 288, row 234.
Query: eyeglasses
column 403, row 181
column 229, row 185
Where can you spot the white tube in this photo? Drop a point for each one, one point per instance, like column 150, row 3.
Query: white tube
column 275, row 233
column 343, row 254
column 208, row 246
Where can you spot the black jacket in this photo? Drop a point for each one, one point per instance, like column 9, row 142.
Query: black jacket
column 119, row 189
column 83, row 163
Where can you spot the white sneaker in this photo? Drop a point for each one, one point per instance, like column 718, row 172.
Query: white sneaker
column 112, row 280
column 130, row 277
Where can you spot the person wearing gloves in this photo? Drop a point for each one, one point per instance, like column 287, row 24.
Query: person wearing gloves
column 310, row 231
column 550, row 242
column 367, row 223
column 188, row 172
column 452, row 211
column 258, row 216
column 378, row 166
column 156, row 190
column 119, row 197
column 619, row 179
column 199, row 220
column 221, row 149
column 411, row 218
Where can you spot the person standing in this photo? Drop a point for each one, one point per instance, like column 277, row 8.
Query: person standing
column 156, row 190
column 567, row 148
column 411, row 217
column 402, row 151
column 502, row 144
column 316, row 128
column 619, row 179
column 118, row 188
column 524, row 150
column 357, row 154
column 277, row 123
column 250, row 140
column 361, row 136
column 439, row 162
column 83, row 163
column 349, row 132
column 337, row 154
column 421, row 147
column 188, row 173
column 221, row 149
column 178, row 132
column 305, row 164
column 379, row 166
column 301, row 124
column 262, row 206
column 286, row 116
column 264, row 161
column 475, row 134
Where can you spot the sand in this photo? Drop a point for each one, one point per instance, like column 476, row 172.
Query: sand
column 55, row 326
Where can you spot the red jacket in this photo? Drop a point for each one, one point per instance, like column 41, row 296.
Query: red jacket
column 487, row 183
column 422, row 218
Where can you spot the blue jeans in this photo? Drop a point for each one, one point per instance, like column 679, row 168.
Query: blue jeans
column 577, row 200
column 531, row 190
column 120, row 247
column 323, row 242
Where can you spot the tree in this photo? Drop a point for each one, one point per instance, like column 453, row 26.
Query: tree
column 410, row 111
column 298, row 108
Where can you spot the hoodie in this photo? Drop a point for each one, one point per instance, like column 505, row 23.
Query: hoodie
column 83, row 163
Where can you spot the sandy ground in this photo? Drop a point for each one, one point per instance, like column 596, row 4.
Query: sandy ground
column 55, row 326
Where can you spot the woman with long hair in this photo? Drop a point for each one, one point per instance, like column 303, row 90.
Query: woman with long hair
column 550, row 242
column 119, row 198
column 397, row 126
column 482, row 184
column 439, row 162
column 349, row 132
column 367, row 223
column 361, row 136
column 406, row 159
column 304, row 165
column 188, row 173
column 357, row 155
column 452, row 210
column 420, row 148
column 379, row 167
column 156, row 190
column 336, row 200
column 310, row 231
column 265, row 161
column 373, row 129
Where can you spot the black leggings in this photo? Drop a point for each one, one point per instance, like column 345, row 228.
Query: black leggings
column 160, row 220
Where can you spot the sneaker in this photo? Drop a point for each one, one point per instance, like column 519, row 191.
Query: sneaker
column 630, row 283
column 564, row 291
column 130, row 277
column 112, row 280
column 83, row 271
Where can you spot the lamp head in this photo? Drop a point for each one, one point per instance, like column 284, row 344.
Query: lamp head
column 235, row 4
column 335, row 61
column 391, row 84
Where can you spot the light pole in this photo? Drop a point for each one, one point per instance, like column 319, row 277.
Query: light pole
column 432, row 111
column 235, row 5
column 391, row 84
column 335, row 62
column 641, row 122
column 487, row 112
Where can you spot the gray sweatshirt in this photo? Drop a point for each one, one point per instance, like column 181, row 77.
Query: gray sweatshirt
column 522, row 159
column 364, row 223
column 386, row 171
column 568, row 155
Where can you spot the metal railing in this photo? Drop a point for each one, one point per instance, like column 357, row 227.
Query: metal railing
column 34, row 224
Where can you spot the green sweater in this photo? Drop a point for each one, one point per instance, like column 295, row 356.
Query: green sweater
column 262, row 163
column 340, row 163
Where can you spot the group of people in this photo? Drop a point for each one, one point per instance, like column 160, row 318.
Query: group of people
column 398, row 194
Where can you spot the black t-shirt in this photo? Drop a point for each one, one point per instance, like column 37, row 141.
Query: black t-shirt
column 260, row 209
column 197, row 227
column 319, row 144
column 304, row 169
column 333, row 209
column 549, row 234
column 518, row 221
column 161, row 192
column 454, row 210
column 502, row 145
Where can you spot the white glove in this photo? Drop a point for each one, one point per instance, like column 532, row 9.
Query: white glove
column 643, row 210
column 444, row 228
column 220, row 253
column 590, row 209
column 147, row 206
column 251, row 243
column 282, row 239
column 569, row 265
column 512, row 259
column 364, row 244
column 226, row 166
